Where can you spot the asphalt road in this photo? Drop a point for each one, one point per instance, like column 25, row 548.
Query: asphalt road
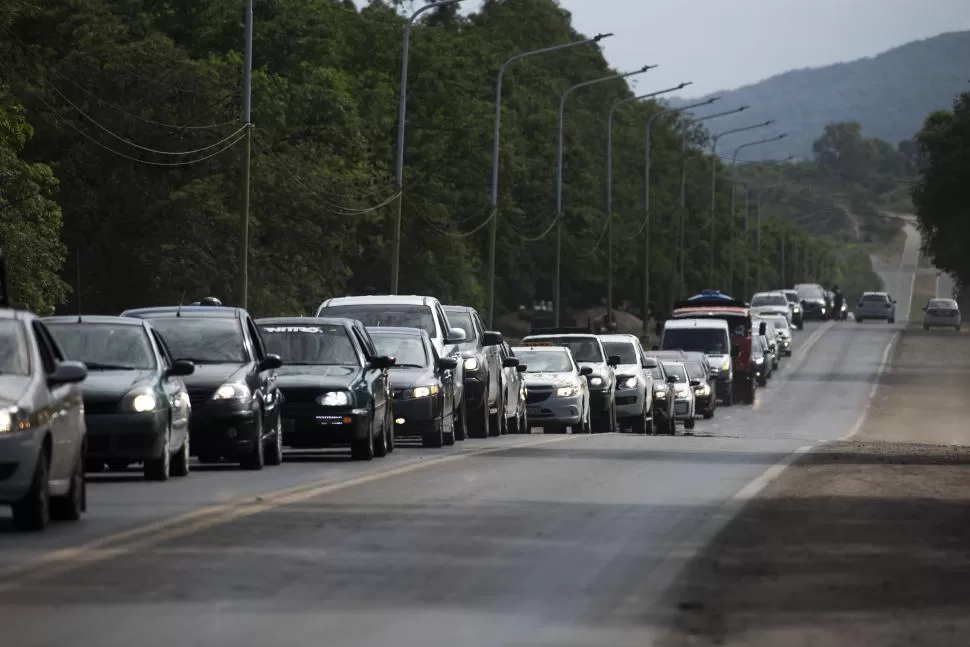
column 513, row 541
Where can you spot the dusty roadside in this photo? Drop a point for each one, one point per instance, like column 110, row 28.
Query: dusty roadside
column 864, row 542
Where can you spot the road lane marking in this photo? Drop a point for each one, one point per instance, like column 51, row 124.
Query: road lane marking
column 883, row 364
column 147, row 535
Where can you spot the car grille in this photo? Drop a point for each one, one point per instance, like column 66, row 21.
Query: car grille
column 538, row 394
column 198, row 397
column 100, row 407
column 301, row 396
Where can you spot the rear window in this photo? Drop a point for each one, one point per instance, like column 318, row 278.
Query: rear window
column 875, row 298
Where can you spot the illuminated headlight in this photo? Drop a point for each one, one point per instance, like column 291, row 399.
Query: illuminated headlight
column 628, row 382
column 796, row 309
column 683, row 394
column 596, row 381
column 660, row 392
column 702, row 390
column 823, row 310
column 334, row 399
column 139, row 401
column 232, row 391
column 11, row 420
column 759, row 360
column 471, row 364
column 425, row 391
column 567, row 391
column 726, row 364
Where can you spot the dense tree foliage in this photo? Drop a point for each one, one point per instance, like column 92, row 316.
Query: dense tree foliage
column 942, row 195
column 135, row 110
column 889, row 94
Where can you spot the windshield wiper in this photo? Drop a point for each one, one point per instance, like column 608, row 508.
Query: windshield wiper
column 96, row 366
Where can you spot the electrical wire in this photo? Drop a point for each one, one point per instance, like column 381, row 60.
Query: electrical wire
column 532, row 239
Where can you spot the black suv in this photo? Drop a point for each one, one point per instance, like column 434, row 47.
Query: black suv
column 482, row 364
column 233, row 391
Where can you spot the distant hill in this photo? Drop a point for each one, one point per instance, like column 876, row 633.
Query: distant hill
column 889, row 94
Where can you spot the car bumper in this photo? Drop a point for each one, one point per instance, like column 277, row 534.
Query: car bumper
column 704, row 402
column 416, row 416
column 785, row 346
column 126, row 436
column 683, row 409
column 313, row 427
column 18, row 458
column 942, row 321
column 555, row 411
column 629, row 403
column 223, row 429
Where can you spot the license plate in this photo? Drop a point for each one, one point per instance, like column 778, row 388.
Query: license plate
column 533, row 411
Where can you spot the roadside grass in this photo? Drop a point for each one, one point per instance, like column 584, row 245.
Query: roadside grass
column 924, row 288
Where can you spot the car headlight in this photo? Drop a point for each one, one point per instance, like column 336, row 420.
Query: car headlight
column 596, row 381
column 139, row 401
column 726, row 364
column 682, row 394
column 232, row 391
column 12, row 419
column 425, row 391
column 660, row 392
column 471, row 364
column 334, row 399
column 796, row 309
column 703, row 390
column 759, row 360
column 567, row 391
column 629, row 382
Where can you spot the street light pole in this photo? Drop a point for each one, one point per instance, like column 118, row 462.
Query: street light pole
column 247, row 157
column 609, row 188
column 648, row 156
column 559, row 146
column 401, row 124
column 493, row 226
column 714, row 141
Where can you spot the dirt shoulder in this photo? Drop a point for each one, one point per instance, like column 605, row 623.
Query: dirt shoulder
column 858, row 543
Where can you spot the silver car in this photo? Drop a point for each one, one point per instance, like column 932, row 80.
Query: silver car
column 42, row 431
column 683, row 389
column 783, row 333
column 764, row 303
column 557, row 393
column 876, row 305
column 634, row 383
column 941, row 313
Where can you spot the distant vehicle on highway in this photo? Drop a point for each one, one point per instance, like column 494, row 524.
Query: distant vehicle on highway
column 771, row 339
column 783, row 333
column 663, row 404
column 42, row 430
column 708, row 335
column 481, row 374
column 136, row 406
column 634, row 383
column 762, row 360
column 515, row 391
column 683, row 390
column 705, row 400
column 557, row 391
column 942, row 313
column 876, row 305
column 771, row 303
column 796, row 309
column 813, row 301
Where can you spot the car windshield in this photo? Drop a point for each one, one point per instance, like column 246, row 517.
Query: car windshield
column 657, row 373
column 677, row 370
column 696, row 371
column 310, row 345
column 537, row 361
column 760, row 300
column 407, row 350
column 875, row 298
column 626, row 351
column 809, row 291
column 462, row 320
column 792, row 296
column 584, row 349
column 386, row 315
column 942, row 303
column 14, row 358
column 711, row 341
column 105, row 346
column 204, row 340
column 780, row 323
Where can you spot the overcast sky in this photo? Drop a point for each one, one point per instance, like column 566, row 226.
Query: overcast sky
column 724, row 44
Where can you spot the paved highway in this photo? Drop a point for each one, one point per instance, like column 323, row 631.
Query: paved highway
column 514, row 541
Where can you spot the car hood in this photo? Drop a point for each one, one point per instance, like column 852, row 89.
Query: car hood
column 403, row 378
column 781, row 310
column 548, row 379
column 114, row 384
column 628, row 370
column 291, row 376
column 215, row 375
column 12, row 388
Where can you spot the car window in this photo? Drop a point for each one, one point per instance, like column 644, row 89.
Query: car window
column 464, row 321
column 584, row 349
column 312, row 345
column 385, row 315
column 792, row 297
column 769, row 300
column 677, row 370
column 545, row 361
column 702, row 340
column 258, row 345
column 809, row 291
column 105, row 346
column 408, row 350
column 696, row 371
column 626, row 350
column 14, row 351
column 875, row 298
column 203, row 340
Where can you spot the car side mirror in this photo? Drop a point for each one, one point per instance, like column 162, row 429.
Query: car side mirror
column 613, row 360
column 447, row 363
column 695, row 382
column 269, row 363
column 894, row 301
column 180, row 368
column 510, row 362
column 586, row 370
column 67, row 373
column 521, row 368
column 456, row 336
column 671, row 379
column 763, row 328
column 492, row 338
column 382, row 362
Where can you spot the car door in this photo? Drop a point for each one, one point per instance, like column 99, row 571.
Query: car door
column 267, row 380
column 175, row 392
column 65, row 406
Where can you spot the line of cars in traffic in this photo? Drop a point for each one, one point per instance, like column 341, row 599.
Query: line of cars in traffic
column 158, row 386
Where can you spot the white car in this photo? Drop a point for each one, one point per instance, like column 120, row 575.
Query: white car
column 683, row 392
column 557, row 392
column 634, row 384
column 783, row 333
column 765, row 303
column 876, row 305
column 941, row 313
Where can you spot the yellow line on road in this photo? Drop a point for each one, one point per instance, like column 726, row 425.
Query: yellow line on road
column 145, row 536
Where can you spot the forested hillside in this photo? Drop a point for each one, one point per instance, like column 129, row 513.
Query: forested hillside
column 121, row 157
column 889, row 94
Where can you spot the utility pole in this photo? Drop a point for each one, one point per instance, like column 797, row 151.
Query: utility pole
column 247, row 161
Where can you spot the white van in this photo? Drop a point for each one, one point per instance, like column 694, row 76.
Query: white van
column 711, row 337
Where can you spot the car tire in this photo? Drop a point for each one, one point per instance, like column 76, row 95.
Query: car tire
column 70, row 506
column 522, row 423
column 160, row 468
column 689, row 424
column 494, row 421
column 478, row 421
column 181, row 461
column 925, row 327
column 256, row 459
column 389, row 427
column 437, row 437
column 448, row 438
column 461, row 422
column 708, row 414
column 858, row 319
column 729, row 395
column 892, row 321
column 275, row 454
column 640, row 423
column 33, row 511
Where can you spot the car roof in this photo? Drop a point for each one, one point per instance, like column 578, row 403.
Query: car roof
column 12, row 313
column 377, row 299
column 305, row 321
column 212, row 312
column 397, row 330
column 687, row 322
column 542, row 349
column 567, row 335
column 768, row 293
column 876, row 293
column 95, row 319
column 459, row 308
column 619, row 337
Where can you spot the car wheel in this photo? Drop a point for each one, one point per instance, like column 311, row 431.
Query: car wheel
column 478, row 421
column 448, row 438
column 461, row 426
column 709, row 414
column 689, row 424
column 389, row 428
column 33, row 511
column 160, row 468
column 257, row 457
column 181, row 462
column 380, row 445
column 70, row 507
column 437, row 437
column 892, row 321
column 858, row 319
column 495, row 421
column 523, row 422
column 275, row 454
column 925, row 327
